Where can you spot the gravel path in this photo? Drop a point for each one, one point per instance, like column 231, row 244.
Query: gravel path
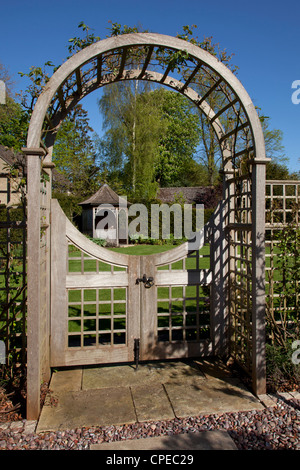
column 277, row 427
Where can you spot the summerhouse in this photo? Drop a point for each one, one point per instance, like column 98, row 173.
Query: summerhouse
column 101, row 216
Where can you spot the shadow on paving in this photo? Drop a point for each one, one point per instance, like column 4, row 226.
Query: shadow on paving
column 120, row 394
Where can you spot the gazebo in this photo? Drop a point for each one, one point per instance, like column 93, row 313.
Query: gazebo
column 101, row 214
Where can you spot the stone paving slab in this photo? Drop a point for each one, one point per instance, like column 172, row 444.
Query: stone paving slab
column 151, row 403
column 66, row 380
column 88, row 408
column 267, row 400
column 116, row 395
column 127, row 375
column 210, row 397
column 203, row 440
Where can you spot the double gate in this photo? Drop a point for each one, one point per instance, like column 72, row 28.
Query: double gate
column 108, row 307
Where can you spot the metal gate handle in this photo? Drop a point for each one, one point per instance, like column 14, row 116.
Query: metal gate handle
column 148, row 281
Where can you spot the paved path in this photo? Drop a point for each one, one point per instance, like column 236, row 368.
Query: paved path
column 116, row 395
column 203, row 440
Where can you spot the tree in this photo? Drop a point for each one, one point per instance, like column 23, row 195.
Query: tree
column 277, row 168
column 209, row 153
column 133, row 123
column 278, row 171
column 152, row 136
column 74, row 154
column 179, row 141
column 13, row 119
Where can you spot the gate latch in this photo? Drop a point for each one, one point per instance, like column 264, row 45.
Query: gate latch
column 148, row 281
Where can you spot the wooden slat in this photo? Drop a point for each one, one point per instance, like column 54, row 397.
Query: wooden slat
column 181, row 349
column 133, row 324
column 61, row 99
column 173, row 278
column 190, row 78
column 122, row 65
column 166, row 73
column 93, row 355
column 234, row 131
column 99, row 68
column 148, row 309
column 79, row 81
column 92, row 281
column 146, row 63
column 212, row 88
column 229, row 105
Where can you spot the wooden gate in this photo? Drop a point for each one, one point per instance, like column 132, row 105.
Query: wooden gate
column 102, row 301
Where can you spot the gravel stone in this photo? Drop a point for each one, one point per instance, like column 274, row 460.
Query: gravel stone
column 275, row 428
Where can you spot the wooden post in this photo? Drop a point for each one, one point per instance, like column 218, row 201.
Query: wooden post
column 258, row 278
column 133, row 306
column 33, row 283
column 148, row 310
column 59, row 315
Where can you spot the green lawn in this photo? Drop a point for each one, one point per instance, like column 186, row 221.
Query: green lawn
column 204, row 263
column 90, row 265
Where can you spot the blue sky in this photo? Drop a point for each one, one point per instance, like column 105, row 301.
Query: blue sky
column 263, row 35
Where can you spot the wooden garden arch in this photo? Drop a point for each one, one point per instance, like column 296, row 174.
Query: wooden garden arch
column 238, row 226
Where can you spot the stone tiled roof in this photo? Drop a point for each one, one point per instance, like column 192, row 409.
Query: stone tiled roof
column 190, row 195
column 104, row 195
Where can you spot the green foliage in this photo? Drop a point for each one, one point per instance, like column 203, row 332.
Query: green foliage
column 289, row 267
column 13, row 125
column 74, row 154
column 12, row 271
column 69, row 203
column 278, row 171
column 97, row 241
column 150, row 136
column 284, row 324
column 179, row 141
column 13, row 118
column 78, row 43
column 132, row 120
column 282, row 373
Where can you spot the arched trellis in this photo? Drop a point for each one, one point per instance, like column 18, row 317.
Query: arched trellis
column 159, row 58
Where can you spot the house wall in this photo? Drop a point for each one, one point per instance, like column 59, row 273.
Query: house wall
column 87, row 221
column 8, row 186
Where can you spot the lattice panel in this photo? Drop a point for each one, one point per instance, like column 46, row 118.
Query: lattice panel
column 97, row 317
column 12, row 271
column 183, row 313
column 241, row 297
column 282, row 210
column 194, row 261
column 80, row 262
column 240, row 270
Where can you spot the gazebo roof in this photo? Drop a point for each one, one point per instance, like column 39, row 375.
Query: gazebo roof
column 104, row 195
